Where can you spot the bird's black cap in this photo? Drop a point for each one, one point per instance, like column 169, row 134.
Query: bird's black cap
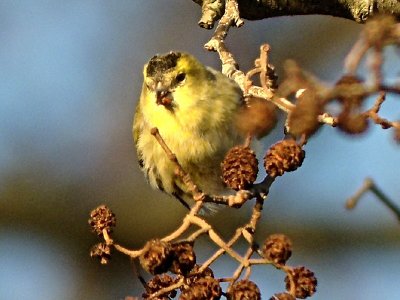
column 162, row 63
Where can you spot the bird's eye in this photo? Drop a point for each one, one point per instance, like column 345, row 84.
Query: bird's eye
column 180, row 77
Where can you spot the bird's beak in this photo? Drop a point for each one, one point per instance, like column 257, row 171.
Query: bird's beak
column 163, row 95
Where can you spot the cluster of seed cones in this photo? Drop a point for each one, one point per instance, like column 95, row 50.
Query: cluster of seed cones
column 174, row 267
column 158, row 259
column 240, row 166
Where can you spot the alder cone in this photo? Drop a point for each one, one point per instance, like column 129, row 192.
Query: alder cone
column 244, row 289
column 239, row 168
column 284, row 156
column 156, row 257
column 304, row 281
column 277, row 248
column 102, row 218
column 206, row 288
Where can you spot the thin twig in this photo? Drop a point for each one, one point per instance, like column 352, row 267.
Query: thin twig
column 167, row 289
column 355, row 55
column 373, row 113
column 386, row 200
column 217, row 239
column 187, row 221
column 369, row 185
column 196, row 234
column 243, row 265
column 264, row 65
column 289, row 273
column 110, row 241
column 196, row 192
column 221, row 251
column 353, row 200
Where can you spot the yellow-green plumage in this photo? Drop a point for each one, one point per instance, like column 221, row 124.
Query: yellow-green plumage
column 194, row 108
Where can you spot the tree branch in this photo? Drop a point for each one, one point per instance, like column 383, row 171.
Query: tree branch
column 356, row 10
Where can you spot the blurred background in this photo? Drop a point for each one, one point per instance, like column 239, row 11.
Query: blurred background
column 71, row 73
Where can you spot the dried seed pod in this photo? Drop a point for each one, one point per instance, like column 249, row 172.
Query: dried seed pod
column 304, row 281
column 206, row 272
column 303, row 119
column 284, row 156
column 295, row 79
column 351, row 120
column 244, row 289
column 195, row 276
column 101, row 251
column 239, row 168
column 350, row 96
column 277, row 248
column 156, row 257
column 257, row 118
column 204, row 288
column 102, row 218
column 157, row 283
column 353, row 123
column 379, row 28
column 183, row 258
column 282, row 296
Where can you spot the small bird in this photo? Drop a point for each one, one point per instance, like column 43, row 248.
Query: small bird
column 194, row 108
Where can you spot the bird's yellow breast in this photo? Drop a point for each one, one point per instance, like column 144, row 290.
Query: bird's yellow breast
column 198, row 127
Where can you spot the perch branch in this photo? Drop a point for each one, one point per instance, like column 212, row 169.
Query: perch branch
column 356, row 10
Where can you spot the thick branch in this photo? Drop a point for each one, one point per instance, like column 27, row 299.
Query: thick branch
column 356, row 10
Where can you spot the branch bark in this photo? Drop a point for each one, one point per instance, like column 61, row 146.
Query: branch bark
column 356, row 10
